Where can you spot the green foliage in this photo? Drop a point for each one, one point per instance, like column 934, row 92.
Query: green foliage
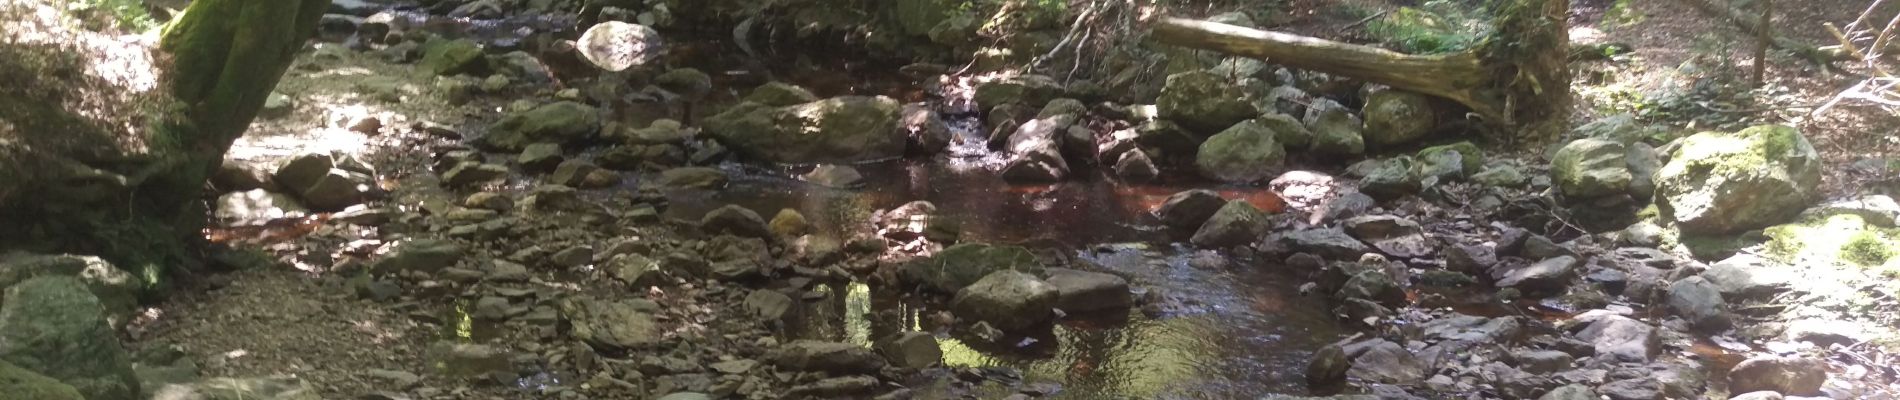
column 1621, row 14
column 1438, row 26
column 129, row 15
column 1866, row 249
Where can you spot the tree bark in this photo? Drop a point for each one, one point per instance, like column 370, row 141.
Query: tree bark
column 1519, row 79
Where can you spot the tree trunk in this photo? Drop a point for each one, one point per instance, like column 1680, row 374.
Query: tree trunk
column 1519, row 79
column 226, row 58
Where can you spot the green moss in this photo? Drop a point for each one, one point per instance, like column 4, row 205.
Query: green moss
column 1472, row 156
column 1867, row 249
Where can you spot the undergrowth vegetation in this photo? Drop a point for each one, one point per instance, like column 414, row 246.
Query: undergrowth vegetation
column 1437, row 26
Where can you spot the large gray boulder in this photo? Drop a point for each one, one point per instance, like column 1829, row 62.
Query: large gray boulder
column 1244, row 153
column 1395, row 117
column 54, row 326
column 1008, row 300
column 1337, row 132
column 564, row 122
column 116, row 289
column 837, row 130
column 1589, row 168
column 1718, row 182
column 1203, row 102
column 961, row 265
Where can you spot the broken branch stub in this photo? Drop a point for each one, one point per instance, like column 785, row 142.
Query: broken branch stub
column 615, row 46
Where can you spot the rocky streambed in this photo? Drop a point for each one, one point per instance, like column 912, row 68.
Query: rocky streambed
column 501, row 221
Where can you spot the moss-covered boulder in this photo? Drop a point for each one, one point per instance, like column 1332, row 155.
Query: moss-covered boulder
column 1337, row 132
column 1029, row 90
column 450, row 57
column 962, row 265
column 24, row 384
column 1468, row 153
column 1717, row 182
column 564, row 122
column 1246, row 152
column 118, row 291
column 1841, row 238
column 1589, row 168
column 1395, row 117
column 53, row 325
column 837, row 130
column 780, row 94
column 1203, row 102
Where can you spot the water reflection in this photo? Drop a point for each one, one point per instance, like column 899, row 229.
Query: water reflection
column 1224, row 346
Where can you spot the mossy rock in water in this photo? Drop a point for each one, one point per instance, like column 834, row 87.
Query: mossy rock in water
column 1841, row 239
column 24, row 384
column 964, row 264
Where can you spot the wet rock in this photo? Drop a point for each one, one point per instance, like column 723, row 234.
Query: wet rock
column 1040, row 164
column 837, row 130
column 1588, row 168
column 1472, row 329
column 1030, row 90
column 55, row 326
column 780, row 94
column 1717, row 183
column 617, row 324
column 1786, row 375
column 1620, row 339
column 1382, row 361
column 1328, row 367
column 1345, row 206
column 1394, row 236
column 1167, row 141
column 693, row 178
column 735, row 220
column 1008, row 300
column 1542, row 361
column 422, row 255
column 1336, row 132
column 1134, row 166
column 15, row 381
column 835, row 176
column 1475, row 260
column 540, row 157
column 1395, row 117
column 1083, row 291
column 1246, row 152
column 789, row 224
column 1330, row 243
column 660, row 132
column 1546, row 276
column 927, row 131
column 1699, row 302
column 1203, row 102
column 471, row 173
column 912, row 350
column 1237, row 223
column 961, row 265
column 256, row 206
column 450, row 57
column 564, row 122
column 1190, row 209
column 832, row 357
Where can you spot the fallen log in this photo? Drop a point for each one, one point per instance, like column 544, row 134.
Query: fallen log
column 1518, row 79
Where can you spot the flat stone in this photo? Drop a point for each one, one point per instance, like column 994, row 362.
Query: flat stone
column 1083, row 291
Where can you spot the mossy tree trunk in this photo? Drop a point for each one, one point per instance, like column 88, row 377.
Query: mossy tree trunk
column 1517, row 79
column 226, row 57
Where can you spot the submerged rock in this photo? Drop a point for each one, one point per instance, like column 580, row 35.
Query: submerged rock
column 961, row 265
column 1718, row 183
column 1008, row 300
column 1189, row 209
column 836, row 130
